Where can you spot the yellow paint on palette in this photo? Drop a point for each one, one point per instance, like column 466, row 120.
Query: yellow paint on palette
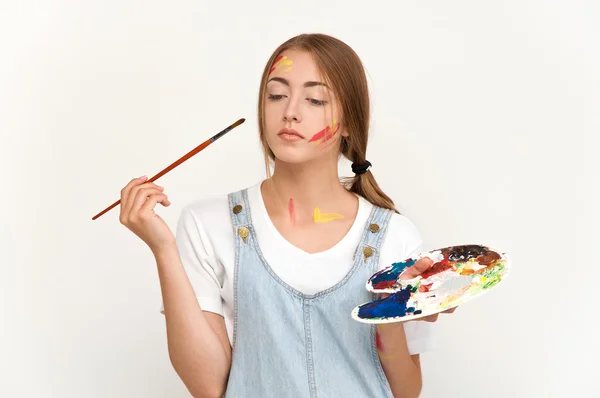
column 325, row 217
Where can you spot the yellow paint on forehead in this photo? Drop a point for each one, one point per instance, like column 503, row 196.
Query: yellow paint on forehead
column 284, row 62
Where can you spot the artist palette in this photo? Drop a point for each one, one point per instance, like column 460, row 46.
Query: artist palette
column 458, row 274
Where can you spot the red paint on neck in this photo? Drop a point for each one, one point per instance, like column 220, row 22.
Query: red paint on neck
column 291, row 211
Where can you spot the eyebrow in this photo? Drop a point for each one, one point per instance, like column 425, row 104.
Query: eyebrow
column 307, row 84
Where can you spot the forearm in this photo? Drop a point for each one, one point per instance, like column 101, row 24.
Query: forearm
column 195, row 350
column 403, row 374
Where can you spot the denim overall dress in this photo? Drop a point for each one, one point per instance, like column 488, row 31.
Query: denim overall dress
column 288, row 344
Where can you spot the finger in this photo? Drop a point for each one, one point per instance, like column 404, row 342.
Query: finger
column 450, row 311
column 141, row 197
column 153, row 200
column 126, row 190
column 129, row 206
column 416, row 269
column 431, row 318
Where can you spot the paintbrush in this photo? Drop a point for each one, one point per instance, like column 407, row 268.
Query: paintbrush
column 181, row 160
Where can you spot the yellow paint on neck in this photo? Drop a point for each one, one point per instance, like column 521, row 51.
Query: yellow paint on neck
column 325, row 217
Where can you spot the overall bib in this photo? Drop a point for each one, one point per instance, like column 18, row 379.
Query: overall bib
column 288, row 344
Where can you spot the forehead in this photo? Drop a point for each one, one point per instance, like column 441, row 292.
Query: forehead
column 302, row 67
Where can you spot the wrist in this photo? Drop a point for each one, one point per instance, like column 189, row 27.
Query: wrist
column 164, row 250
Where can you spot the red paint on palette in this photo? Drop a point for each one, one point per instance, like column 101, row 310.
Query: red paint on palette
column 384, row 284
column 425, row 288
column 437, row 268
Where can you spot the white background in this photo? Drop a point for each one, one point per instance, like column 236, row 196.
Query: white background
column 485, row 129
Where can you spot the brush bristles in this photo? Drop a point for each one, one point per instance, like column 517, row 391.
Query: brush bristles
column 242, row 120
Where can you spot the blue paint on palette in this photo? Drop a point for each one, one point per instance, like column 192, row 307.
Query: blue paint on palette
column 392, row 306
column 388, row 276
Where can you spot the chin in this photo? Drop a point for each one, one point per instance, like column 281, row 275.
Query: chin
column 290, row 154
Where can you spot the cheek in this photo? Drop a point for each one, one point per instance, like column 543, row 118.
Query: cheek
column 326, row 137
column 271, row 113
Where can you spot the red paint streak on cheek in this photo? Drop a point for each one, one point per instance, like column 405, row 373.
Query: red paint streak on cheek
column 318, row 136
column 325, row 136
column 337, row 127
column 329, row 134
column 329, row 144
column 291, row 211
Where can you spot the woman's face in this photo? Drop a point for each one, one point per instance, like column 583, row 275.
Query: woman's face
column 301, row 112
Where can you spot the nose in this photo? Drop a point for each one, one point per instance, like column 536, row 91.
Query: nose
column 291, row 112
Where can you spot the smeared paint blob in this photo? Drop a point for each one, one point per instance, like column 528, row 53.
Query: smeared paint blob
column 437, row 268
column 281, row 61
column 425, row 288
column 387, row 278
column 326, row 134
column 392, row 306
column 291, row 211
column 325, row 217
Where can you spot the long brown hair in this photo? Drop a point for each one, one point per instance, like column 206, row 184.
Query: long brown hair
column 343, row 71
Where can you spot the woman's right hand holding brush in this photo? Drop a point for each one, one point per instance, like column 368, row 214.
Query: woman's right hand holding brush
column 138, row 199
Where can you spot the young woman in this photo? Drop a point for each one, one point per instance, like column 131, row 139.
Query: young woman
column 258, row 285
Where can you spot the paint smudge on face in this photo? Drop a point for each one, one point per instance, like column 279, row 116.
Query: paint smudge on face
column 281, row 61
column 291, row 211
column 326, row 134
column 325, row 217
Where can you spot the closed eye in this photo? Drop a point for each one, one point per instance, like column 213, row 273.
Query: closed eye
column 316, row 102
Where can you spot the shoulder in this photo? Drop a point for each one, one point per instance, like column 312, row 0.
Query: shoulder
column 402, row 240
column 401, row 225
column 208, row 215
column 402, row 237
column 210, row 208
column 207, row 207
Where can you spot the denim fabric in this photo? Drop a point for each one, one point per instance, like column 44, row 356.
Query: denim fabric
column 288, row 344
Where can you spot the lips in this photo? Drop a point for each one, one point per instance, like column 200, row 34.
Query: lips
column 290, row 132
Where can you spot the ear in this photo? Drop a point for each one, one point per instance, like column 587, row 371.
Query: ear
column 343, row 131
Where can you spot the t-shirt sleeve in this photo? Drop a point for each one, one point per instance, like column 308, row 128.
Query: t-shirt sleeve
column 402, row 242
column 199, row 261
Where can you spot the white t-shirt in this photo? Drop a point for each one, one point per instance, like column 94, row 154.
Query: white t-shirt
column 205, row 240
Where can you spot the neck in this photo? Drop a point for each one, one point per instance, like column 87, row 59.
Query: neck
column 312, row 184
